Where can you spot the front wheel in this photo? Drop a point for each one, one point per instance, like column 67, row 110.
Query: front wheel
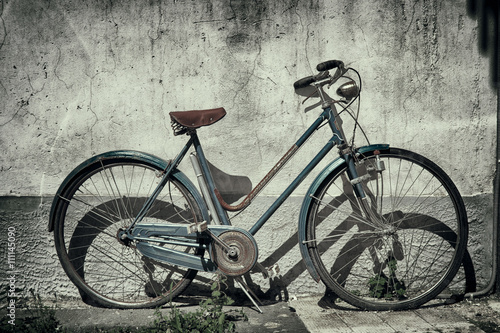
column 408, row 249
column 91, row 211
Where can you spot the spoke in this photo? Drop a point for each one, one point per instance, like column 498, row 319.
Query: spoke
column 357, row 217
column 84, row 198
column 410, row 252
column 101, row 204
column 93, row 209
column 109, row 189
column 120, row 264
column 119, row 196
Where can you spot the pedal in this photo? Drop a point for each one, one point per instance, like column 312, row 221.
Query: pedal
column 273, row 271
column 197, row 227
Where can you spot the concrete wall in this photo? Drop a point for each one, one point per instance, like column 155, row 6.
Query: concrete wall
column 83, row 77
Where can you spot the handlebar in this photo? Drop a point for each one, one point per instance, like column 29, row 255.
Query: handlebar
column 302, row 83
column 330, row 64
column 323, row 68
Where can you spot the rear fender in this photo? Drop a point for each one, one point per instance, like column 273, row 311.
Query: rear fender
column 132, row 155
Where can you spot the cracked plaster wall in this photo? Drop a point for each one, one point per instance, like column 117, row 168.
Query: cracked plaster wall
column 82, row 77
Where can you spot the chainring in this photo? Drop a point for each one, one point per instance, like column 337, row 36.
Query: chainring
column 244, row 253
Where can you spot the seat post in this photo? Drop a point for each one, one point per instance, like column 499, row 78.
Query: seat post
column 219, row 215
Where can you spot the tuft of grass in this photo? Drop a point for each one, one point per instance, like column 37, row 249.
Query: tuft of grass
column 210, row 317
column 35, row 318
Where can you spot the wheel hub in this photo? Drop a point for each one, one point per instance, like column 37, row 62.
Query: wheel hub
column 122, row 237
column 239, row 258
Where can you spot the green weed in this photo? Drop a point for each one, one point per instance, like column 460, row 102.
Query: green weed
column 209, row 317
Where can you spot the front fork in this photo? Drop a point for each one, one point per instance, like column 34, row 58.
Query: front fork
column 368, row 208
column 348, row 155
column 356, row 182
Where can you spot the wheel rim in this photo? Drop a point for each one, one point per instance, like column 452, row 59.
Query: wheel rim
column 406, row 254
column 96, row 209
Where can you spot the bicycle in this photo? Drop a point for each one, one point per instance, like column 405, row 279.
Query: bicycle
column 384, row 228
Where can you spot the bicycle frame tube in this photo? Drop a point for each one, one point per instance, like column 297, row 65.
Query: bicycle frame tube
column 337, row 139
column 292, row 186
column 171, row 166
column 336, row 126
column 209, row 180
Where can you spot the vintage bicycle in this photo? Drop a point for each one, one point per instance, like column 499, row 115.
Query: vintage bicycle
column 384, row 228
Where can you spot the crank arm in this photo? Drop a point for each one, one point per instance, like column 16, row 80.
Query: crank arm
column 229, row 251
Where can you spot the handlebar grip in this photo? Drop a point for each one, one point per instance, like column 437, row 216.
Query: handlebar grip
column 330, row 64
column 302, row 83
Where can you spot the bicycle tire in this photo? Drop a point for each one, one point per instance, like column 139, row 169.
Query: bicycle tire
column 95, row 204
column 408, row 253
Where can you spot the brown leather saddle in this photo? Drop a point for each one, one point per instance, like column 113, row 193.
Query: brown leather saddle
column 182, row 121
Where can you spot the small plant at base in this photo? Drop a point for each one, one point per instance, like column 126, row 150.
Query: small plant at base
column 210, row 317
column 36, row 318
column 388, row 287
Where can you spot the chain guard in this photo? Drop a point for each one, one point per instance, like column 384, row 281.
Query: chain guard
column 245, row 257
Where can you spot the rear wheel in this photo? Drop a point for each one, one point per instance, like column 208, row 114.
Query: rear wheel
column 411, row 247
column 97, row 204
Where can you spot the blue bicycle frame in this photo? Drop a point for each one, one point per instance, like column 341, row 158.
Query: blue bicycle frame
column 191, row 261
column 337, row 139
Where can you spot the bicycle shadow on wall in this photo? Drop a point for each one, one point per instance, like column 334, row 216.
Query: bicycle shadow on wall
column 97, row 235
column 422, row 230
column 102, row 225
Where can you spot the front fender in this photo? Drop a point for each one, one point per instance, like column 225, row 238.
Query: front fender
column 132, row 155
column 308, row 200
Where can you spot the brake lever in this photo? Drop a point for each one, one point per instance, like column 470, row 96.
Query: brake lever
column 324, row 75
column 321, row 76
column 338, row 74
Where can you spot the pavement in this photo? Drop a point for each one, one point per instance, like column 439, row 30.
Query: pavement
column 303, row 314
column 480, row 315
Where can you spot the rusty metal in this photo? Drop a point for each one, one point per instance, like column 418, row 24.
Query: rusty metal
column 242, row 255
column 248, row 199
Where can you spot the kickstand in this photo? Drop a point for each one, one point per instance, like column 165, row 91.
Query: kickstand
column 248, row 291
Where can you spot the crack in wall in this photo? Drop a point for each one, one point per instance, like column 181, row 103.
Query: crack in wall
column 58, row 61
column 92, row 144
column 306, row 48
column 25, row 102
column 4, row 28
column 412, row 16
column 159, row 32
column 429, row 28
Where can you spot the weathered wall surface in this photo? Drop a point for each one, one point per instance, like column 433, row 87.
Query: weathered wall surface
column 82, row 77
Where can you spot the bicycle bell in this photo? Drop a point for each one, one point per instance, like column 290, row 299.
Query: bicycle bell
column 348, row 90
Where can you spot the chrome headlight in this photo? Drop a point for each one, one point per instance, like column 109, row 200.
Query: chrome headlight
column 348, row 90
